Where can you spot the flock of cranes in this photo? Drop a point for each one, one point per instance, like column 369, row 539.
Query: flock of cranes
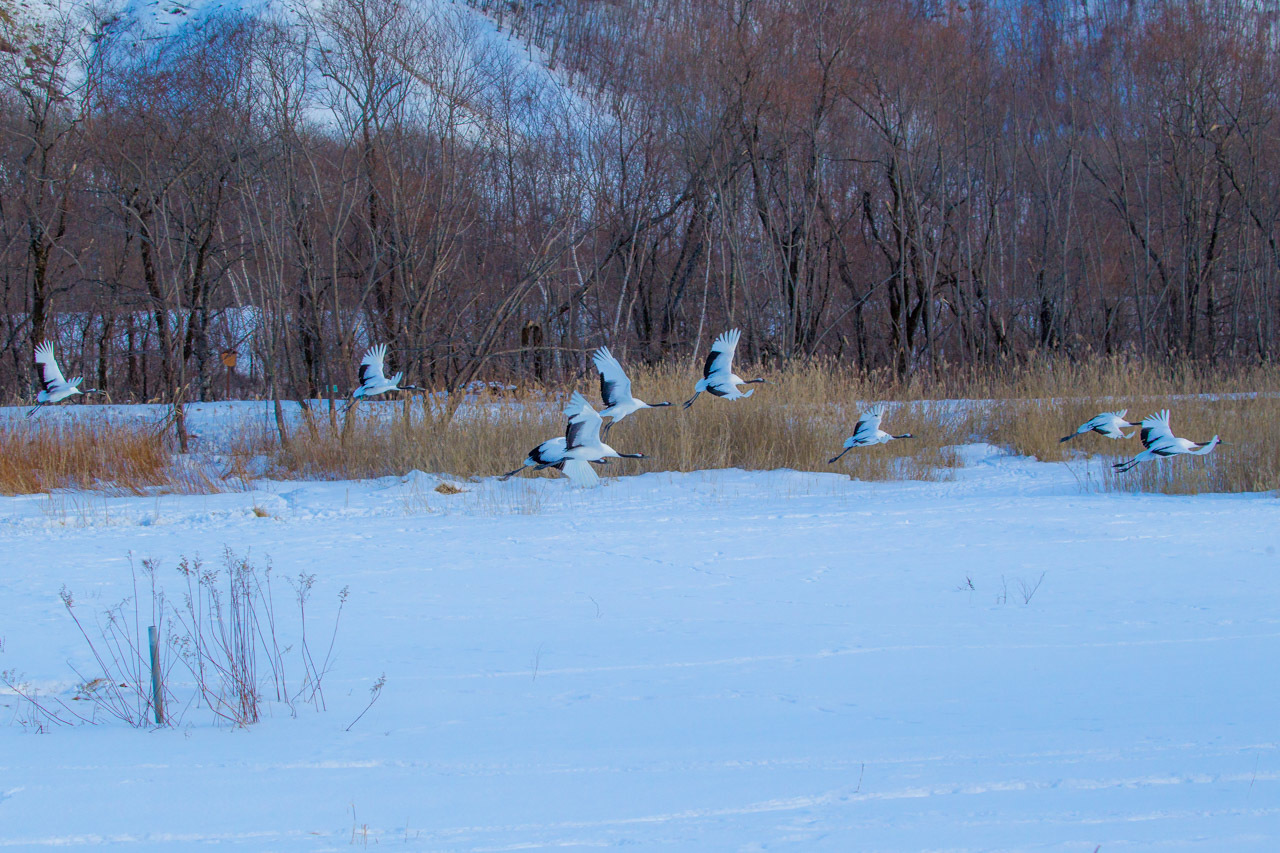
column 1154, row 431
column 582, row 444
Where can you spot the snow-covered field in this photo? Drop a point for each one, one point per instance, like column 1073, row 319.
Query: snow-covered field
column 713, row 661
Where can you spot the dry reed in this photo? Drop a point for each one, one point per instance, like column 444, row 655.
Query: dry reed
column 789, row 423
column 1248, row 460
column 479, row 441
column 108, row 457
column 798, row 420
column 40, row 457
column 801, row 416
column 1045, row 377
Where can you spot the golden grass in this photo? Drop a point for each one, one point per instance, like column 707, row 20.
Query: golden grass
column 96, row 454
column 1247, row 461
column 788, row 423
column 798, row 420
column 478, row 442
column 42, row 457
column 1044, row 377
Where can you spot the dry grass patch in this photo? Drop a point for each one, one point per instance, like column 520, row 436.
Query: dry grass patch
column 798, row 420
column 42, row 457
column 1035, row 427
column 98, row 454
column 1248, row 460
column 1118, row 376
column 481, row 440
column 768, row 431
column 788, row 423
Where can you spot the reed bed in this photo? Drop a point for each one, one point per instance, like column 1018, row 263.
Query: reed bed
column 1248, row 460
column 798, row 420
column 801, row 416
column 789, row 423
column 479, row 441
column 1044, row 377
column 36, row 457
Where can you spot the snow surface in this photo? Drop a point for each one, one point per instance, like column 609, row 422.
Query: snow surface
column 721, row 660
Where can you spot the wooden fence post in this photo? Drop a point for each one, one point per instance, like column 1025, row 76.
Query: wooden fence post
column 157, row 697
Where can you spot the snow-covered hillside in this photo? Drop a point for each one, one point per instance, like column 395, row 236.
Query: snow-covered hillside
column 712, row 661
column 477, row 43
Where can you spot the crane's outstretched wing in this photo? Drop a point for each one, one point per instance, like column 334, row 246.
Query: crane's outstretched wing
column 1156, row 430
column 1114, row 424
column 549, row 453
column 720, row 359
column 867, row 427
column 615, row 387
column 1094, row 422
column 50, row 373
column 1099, row 422
column 580, row 473
column 371, row 366
column 584, row 423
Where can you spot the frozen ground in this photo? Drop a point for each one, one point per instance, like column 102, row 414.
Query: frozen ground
column 712, row 661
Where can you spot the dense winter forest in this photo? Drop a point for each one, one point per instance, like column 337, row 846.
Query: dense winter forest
column 493, row 188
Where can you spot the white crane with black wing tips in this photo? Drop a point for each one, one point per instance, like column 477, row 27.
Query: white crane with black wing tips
column 373, row 379
column 1160, row 442
column 583, row 444
column 56, row 387
column 867, row 432
column 717, row 374
column 615, row 390
column 1110, row 424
